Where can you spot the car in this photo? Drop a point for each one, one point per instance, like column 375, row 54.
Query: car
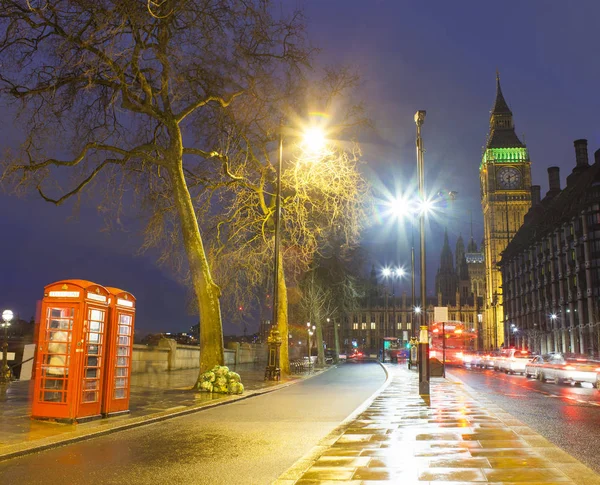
column 532, row 367
column 514, row 360
column 491, row 360
column 570, row 368
column 472, row 359
column 356, row 354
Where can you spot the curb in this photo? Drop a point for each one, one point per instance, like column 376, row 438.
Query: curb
column 26, row 448
column 293, row 473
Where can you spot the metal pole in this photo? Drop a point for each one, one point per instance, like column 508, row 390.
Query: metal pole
column 275, row 322
column 277, row 235
column 4, row 376
column 444, row 347
column 424, row 333
column 308, row 340
column 393, row 330
column 412, row 300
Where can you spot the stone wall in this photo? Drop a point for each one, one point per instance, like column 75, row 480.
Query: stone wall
column 149, row 359
column 169, row 355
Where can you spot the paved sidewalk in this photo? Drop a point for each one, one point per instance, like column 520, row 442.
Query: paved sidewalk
column 460, row 437
column 154, row 396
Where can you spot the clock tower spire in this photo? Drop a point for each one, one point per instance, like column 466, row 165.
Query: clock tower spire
column 505, row 179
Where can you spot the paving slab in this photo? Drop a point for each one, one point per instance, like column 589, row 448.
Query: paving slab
column 454, row 437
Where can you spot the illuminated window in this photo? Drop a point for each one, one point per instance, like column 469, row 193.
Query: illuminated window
column 399, row 326
column 363, row 326
column 373, row 326
column 408, row 326
column 355, row 326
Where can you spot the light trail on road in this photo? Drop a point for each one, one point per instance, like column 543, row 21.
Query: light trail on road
column 568, row 416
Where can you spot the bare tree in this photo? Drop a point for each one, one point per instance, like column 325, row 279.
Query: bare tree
column 120, row 95
column 319, row 190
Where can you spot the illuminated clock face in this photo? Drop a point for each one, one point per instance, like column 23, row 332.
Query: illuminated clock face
column 509, row 178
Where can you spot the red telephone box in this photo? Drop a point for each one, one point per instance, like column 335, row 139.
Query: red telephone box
column 121, row 316
column 69, row 357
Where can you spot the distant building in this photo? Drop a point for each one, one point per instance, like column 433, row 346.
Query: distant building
column 551, row 268
column 385, row 313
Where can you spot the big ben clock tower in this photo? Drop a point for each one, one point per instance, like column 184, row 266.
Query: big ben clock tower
column 505, row 178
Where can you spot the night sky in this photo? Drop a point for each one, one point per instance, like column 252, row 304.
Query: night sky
column 438, row 56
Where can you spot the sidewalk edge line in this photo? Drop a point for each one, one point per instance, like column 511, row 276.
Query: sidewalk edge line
column 303, row 463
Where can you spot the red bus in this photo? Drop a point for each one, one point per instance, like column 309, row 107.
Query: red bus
column 451, row 340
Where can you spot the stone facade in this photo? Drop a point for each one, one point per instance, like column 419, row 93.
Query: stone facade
column 551, row 268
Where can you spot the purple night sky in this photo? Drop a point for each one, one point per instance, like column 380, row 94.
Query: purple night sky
column 438, row 56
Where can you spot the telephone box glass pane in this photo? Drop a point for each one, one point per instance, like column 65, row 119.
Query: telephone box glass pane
column 55, row 349
column 93, row 358
column 123, row 356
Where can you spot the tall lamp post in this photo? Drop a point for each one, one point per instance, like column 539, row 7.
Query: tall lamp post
column 314, row 138
column 7, row 316
column 310, row 331
column 424, row 329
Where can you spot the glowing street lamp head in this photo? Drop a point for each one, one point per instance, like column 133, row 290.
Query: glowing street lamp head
column 553, row 316
column 426, row 206
column 400, row 207
column 314, row 140
column 417, row 310
column 386, row 272
column 7, row 315
column 400, row 272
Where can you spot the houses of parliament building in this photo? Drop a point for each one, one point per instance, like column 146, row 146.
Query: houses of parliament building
column 468, row 281
column 534, row 282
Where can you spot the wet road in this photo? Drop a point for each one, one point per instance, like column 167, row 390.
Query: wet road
column 568, row 416
column 249, row 442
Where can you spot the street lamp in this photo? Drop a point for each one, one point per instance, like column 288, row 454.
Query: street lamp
column 310, row 331
column 312, row 141
column 424, row 333
column 554, row 330
column 7, row 316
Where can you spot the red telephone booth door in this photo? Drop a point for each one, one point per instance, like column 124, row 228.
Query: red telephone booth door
column 55, row 361
column 92, row 350
column 69, row 359
column 119, row 352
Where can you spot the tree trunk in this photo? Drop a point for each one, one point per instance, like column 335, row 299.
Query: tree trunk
column 207, row 292
column 282, row 319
